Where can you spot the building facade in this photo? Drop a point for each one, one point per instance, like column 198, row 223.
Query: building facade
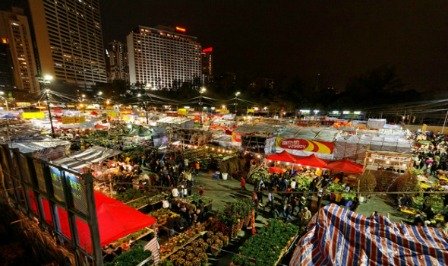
column 117, row 61
column 207, row 64
column 15, row 37
column 163, row 57
column 6, row 68
column 69, row 40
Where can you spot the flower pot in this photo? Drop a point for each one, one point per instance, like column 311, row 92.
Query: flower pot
column 224, row 176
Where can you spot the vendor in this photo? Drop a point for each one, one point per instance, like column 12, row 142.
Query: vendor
column 175, row 192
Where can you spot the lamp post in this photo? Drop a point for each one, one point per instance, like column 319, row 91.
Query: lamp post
column 236, row 100
column 139, row 96
column 202, row 90
column 46, row 79
column 444, row 122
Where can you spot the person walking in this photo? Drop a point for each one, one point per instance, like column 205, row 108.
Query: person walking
column 243, row 183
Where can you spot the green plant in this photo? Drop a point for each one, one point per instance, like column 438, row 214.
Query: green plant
column 303, row 183
column 367, row 182
column 335, row 187
column 132, row 257
column 406, row 182
column 265, row 248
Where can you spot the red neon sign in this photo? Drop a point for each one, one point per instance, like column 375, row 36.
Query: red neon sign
column 180, row 29
column 207, row 50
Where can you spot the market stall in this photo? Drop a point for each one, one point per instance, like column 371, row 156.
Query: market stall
column 113, row 220
column 384, row 160
column 346, row 167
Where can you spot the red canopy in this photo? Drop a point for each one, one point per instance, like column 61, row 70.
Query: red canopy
column 312, row 161
column 346, row 166
column 276, row 170
column 115, row 220
column 283, row 156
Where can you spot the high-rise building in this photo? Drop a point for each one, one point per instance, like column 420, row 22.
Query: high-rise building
column 117, row 61
column 15, row 34
column 207, row 63
column 6, row 75
column 69, row 40
column 163, row 57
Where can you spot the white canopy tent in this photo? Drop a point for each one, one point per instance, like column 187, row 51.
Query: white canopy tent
column 78, row 161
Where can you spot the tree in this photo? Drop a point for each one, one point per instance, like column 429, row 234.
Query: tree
column 367, row 182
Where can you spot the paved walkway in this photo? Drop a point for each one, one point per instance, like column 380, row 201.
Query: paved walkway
column 223, row 191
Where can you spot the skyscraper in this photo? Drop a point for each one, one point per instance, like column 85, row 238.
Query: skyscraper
column 69, row 40
column 15, row 34
column 6, row 75
column 207, row 64
column 117, row 61
column 162, row 57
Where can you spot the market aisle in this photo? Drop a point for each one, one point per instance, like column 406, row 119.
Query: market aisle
column 221, row 191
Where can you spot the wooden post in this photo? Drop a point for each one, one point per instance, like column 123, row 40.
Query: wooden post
column 93, row 221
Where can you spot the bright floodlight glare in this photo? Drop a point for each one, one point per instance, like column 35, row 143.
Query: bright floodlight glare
column 100, row 93
column 139, row 95
column 202, row 90
column 2, row 93
column 48, row 77
column 223, row 106
column 237, row 93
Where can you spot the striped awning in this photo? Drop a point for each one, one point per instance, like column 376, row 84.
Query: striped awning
column 338, row 236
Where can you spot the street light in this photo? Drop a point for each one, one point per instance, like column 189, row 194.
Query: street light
column 236, row 100
column 139, row 95
column 47, row 80
column 202, row 90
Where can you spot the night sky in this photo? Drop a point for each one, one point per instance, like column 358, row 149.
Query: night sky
column 338, row 39
column 271, row 38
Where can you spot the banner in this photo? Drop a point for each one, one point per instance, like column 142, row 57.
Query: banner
column 305, row 145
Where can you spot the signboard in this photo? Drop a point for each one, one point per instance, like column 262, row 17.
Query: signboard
column 24, row 168
column 305, row 145
column 236, row 137
column 33, row 115
column 182, row 111
column 78, row 191
column 56, row 180
column 73, row 119
column 39, row 168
